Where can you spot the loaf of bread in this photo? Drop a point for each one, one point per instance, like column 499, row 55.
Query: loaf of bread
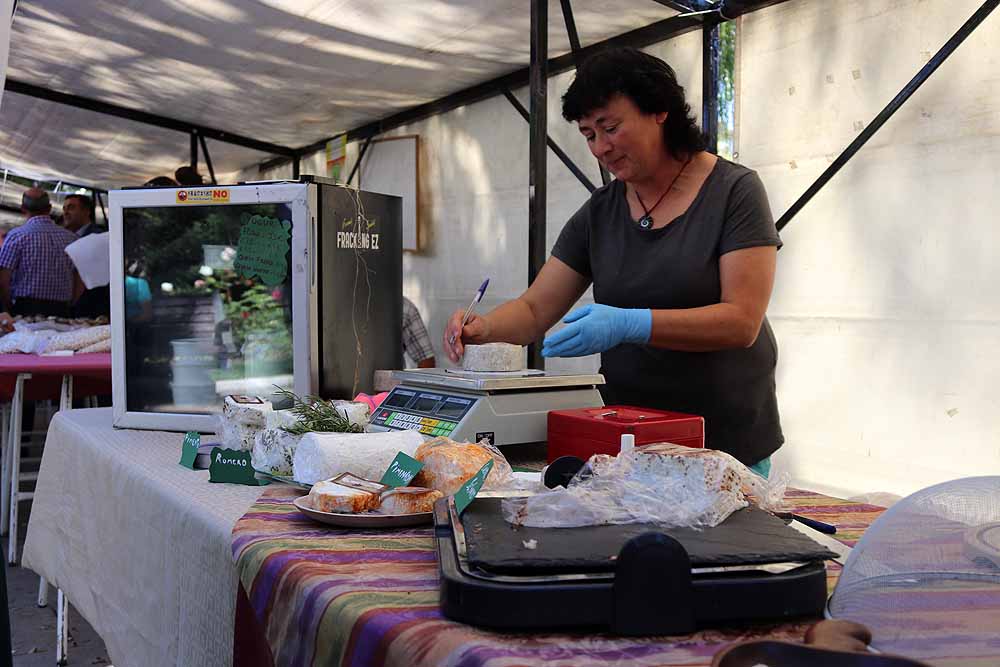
column 449, row 464
column 409, row 500
column 346, row 494
column 493, row 357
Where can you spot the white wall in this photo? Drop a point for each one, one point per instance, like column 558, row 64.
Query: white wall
column 885, row 305
column 474, row 196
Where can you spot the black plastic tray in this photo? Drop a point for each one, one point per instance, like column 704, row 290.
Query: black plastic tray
column 652, row 587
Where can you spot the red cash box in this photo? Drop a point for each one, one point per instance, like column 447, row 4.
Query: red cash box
column 588, row 431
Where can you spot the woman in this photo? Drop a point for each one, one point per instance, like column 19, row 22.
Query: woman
column 681, row 250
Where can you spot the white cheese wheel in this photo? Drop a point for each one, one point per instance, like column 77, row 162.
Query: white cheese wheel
column 493, row 357
column 356, row 412
column 245, row 410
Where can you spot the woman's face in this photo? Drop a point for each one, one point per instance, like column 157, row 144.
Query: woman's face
column 628, row 142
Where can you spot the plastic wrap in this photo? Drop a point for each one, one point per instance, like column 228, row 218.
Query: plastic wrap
column 449, row 464
column 665, row 484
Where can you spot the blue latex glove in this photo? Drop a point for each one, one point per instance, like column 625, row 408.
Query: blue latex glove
column 596, row 328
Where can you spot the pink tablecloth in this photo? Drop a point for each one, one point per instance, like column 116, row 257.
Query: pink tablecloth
column 91, row 373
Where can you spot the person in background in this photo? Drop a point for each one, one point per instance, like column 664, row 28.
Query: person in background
column 78, row 215
column 416, row 342
column 681, row 251
column 160, row 182
column 36, row 274
column 188, row 175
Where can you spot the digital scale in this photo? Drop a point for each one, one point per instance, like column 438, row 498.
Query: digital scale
column 507, row 408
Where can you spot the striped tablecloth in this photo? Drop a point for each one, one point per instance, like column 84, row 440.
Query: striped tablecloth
column 363, row 598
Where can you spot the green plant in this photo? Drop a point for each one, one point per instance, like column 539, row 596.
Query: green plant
column 316, row 414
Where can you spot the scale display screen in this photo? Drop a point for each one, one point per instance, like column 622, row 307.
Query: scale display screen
column 430, row 413
column 453, row 408
column 398, row 399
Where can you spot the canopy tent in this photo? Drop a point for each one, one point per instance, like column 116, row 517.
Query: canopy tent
column 282, row 72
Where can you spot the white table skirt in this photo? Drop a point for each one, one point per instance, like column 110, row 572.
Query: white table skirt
column 140, row 545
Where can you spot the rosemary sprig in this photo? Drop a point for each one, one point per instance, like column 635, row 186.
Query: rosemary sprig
column 316, row 414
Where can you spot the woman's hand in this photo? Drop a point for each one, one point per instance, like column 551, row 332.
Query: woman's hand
column 475, row 331
column 596, row 328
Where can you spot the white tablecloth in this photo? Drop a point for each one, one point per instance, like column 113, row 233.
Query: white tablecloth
column 140, row 545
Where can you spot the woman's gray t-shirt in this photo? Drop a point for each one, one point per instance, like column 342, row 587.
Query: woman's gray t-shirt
column 677, row 266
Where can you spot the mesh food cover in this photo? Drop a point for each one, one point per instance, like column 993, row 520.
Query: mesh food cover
column 925, row 577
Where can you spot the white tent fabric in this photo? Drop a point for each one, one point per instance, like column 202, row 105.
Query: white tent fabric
column 289, row 72
column 6, row 7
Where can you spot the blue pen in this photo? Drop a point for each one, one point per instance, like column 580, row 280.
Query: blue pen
column 468, row 311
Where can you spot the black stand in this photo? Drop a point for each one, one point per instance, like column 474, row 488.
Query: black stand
column 653, row 593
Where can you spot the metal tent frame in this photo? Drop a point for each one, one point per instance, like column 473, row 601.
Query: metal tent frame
column 705, row 15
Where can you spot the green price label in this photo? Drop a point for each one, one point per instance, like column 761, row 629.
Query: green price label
column 231, row 466
column 262, row 249
column 189, row 450
column 468, row 492
column 401, row 471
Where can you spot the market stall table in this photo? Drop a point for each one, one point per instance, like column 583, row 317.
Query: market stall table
column 32, row 377
column 140, row 545
column 143, row 549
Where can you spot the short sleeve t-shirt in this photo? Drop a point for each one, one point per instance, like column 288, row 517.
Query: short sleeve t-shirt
column 673, row 267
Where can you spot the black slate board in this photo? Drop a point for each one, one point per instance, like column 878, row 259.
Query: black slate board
column 748, row 537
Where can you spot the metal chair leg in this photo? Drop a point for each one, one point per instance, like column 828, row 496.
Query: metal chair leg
column 5, row 483
column 43, row 592
column 15, row 463
column 62, row 628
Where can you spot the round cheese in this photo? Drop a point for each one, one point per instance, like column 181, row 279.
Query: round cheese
column 493, row 357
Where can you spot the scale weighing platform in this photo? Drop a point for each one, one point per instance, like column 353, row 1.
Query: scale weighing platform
column 506, row 408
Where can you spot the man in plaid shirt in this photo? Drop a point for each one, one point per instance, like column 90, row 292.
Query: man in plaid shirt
column 416, row 343
column 36, row 274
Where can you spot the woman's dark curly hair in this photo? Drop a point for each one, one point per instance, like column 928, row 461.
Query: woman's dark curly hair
column 647, row 81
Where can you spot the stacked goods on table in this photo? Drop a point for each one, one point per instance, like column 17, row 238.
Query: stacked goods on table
column 350, row 494
column 447, row 465
column 323, row 444
column 53, row 335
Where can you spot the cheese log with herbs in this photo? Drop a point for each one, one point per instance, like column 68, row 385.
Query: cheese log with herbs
column 409, row 500
column 493, row 357
column 329, row 496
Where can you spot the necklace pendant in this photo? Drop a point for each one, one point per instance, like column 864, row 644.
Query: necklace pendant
column 646, row 221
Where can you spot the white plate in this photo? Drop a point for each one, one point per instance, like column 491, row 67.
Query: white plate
column 365, row 520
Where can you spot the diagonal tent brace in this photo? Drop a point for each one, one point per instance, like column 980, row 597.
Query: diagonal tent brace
column 949, row 47
column 574, row 43
column 559, row 152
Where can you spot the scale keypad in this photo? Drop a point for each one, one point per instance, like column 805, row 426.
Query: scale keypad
column 403, row 421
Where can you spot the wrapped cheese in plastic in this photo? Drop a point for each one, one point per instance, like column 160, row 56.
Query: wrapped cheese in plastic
column 663, row 483
column 449, row 464
column 326, row 455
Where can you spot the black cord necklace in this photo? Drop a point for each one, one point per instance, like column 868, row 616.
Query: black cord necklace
column 646, row 221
